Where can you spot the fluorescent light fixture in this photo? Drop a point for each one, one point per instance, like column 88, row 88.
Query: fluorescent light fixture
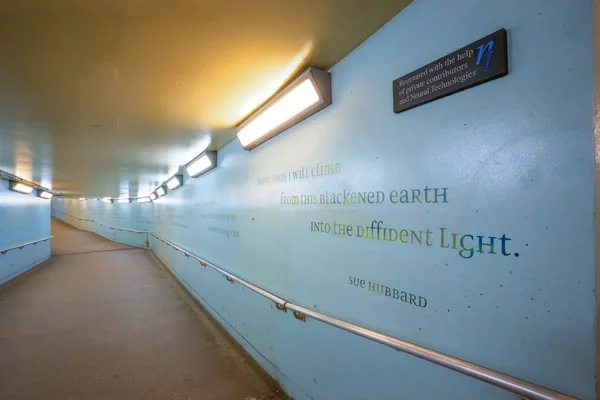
column 161, row 191
column 82, row 198
column 44, row 195
column 107, row 200
column 175, row 182
column 123, row 201
column 152, row 196
column 19, row 187
column 144, row 200
column 201, row 164
column 305, row 96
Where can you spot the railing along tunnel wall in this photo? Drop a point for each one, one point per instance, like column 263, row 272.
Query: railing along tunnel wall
column 477, row 239
column 24, row 232
column 96, row 216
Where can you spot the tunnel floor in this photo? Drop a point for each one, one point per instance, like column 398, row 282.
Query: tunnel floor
column 106, row 322
column 69, row 240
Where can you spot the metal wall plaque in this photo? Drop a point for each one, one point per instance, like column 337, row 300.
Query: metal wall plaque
column 479, row 62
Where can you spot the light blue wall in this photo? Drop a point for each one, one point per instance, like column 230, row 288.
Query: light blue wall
column 516, row 157
column 134, row 216
column 23, row 219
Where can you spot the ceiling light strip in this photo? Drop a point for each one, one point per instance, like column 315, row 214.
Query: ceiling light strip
column 175, row 182
column 44, row 195
column 13, row 179
column 305, row 96
column 20, row 187
column 201, row 164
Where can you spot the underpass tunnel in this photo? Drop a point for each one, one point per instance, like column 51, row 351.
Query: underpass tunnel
column 317, row 200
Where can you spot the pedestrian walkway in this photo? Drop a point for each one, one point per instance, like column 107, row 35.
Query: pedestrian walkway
column 104, row 321
column 68, row 240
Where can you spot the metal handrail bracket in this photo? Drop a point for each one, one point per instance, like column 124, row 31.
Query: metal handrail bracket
column 524, row 389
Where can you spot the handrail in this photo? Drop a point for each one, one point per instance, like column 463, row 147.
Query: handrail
column 280, row 303
column 525, row 389
column 518, row 386
column 100, row 223
column 20, row 246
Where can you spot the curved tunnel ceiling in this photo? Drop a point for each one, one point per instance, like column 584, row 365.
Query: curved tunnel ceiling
column 109, row 98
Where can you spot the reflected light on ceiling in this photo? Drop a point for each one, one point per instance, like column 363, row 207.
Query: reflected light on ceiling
column 124, row 187
column 199, row 145
column 262, row 89
column 174, row 156
column 23, row 163
column 46, row 177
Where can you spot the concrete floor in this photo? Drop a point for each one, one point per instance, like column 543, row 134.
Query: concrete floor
column 108, row 323
column 69, row 240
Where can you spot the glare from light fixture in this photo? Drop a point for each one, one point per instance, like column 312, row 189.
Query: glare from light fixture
column 143, row 200
column 19, row 187
column 174, row 182
column 44, row 195
column 293, row 103
column 123, row 201
column 161, row 191
column 309, row 93
column 203, row 163
column 152, row 196
column 107, row 200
